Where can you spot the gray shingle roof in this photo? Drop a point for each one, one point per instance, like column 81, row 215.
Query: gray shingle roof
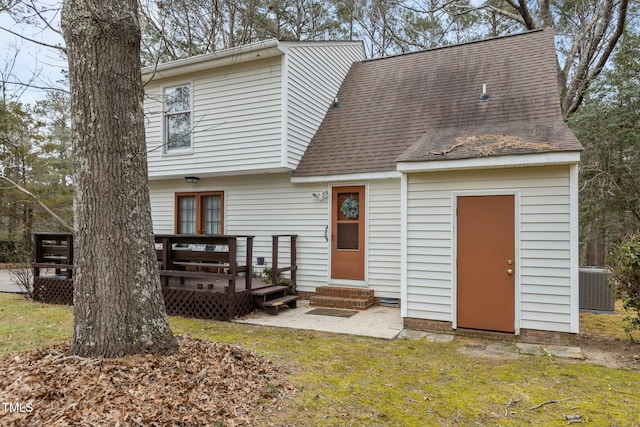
column 426, row 106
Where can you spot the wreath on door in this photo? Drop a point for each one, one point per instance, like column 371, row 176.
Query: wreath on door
column 350, row 208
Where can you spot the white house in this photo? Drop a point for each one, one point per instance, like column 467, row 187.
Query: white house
column 445, row 179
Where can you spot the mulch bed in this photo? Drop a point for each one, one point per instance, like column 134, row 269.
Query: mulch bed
column 204, row 384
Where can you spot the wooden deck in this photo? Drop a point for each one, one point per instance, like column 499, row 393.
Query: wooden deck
column 201, row 275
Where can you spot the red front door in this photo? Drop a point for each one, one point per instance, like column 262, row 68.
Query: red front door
column 486, row 263
column 347, row 232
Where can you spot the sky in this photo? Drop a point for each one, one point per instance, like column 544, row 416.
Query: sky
column 33, row 62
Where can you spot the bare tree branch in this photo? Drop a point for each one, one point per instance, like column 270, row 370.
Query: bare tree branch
column 35, row 198
column 525, row 13
column 604, row 57
column 31, row 85
column 513, row 16
column 39, row 13
column 23, row 37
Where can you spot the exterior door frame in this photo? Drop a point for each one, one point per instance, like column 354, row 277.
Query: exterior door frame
column 454, row 251
column 347, row 282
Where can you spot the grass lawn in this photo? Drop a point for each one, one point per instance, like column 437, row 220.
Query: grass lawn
column 347, row 380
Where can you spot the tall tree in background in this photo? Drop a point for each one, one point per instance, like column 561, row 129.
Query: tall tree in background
column 19, row 135
column 609, row 127
column 118, row 305
column 588, row 31
column 35, row 168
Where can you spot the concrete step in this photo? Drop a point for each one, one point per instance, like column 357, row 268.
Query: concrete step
column 361, row 302
column 336, row 291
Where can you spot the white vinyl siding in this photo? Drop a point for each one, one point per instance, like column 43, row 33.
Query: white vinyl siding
column 236, row 121
column 258, row 114
column 544, row 249
column 263, row 205
column 384, row 238
column 314, row 75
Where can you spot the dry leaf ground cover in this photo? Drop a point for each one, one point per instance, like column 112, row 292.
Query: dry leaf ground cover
column 205, row 383
column 346, row 380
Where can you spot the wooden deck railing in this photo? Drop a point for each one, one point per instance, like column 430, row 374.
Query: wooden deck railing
column 180, row 255
column 215, row 257
column 55, row 251
column 276, row 269
column 202, row 256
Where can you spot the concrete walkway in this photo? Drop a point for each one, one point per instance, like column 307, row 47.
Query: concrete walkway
column 386, row 323
column 7, row 284
column 498, row 349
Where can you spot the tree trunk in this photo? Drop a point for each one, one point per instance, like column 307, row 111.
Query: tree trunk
column 118, row 305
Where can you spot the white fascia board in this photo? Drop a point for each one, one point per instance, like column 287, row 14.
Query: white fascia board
column 346, row 177
column 285, row 45
column 491, row 162
column 221, row 58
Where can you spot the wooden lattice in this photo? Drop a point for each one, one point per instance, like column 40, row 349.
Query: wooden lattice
column 53, row 290
column 200, row 304
column 206, row 304
column 242, row 304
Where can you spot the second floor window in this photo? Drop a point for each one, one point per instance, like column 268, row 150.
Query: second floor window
column 177, row 117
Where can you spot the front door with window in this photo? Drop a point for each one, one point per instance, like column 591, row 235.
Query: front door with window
column 347, row 232
column 200, row 213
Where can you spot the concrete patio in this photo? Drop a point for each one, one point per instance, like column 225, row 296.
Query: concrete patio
column 376, row 322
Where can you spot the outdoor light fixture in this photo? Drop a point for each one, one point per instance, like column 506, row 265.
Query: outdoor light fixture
column 192, row 179
column 320, row 195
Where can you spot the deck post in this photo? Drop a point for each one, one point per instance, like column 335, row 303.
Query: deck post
column 274, row 260
column 167, row 264
column 294, row 261
column 37, row 253
column 69, row 255
column 233, row 266
column 58, row 242
column 249, row 261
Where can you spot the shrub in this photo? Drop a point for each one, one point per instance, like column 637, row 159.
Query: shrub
column 266, row 278
column 624, row 261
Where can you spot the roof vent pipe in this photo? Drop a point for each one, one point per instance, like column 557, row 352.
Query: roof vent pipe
column 485, row 96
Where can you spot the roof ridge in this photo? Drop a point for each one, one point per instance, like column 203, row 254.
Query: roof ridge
column 449, row 46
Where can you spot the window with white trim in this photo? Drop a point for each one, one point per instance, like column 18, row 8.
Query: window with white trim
column 177, row 118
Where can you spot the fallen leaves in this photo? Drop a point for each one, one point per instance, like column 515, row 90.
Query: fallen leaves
column 487, row 145
column 205, row 383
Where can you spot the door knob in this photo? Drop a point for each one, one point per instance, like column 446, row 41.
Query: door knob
column 509, row 272
column 509, row 262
